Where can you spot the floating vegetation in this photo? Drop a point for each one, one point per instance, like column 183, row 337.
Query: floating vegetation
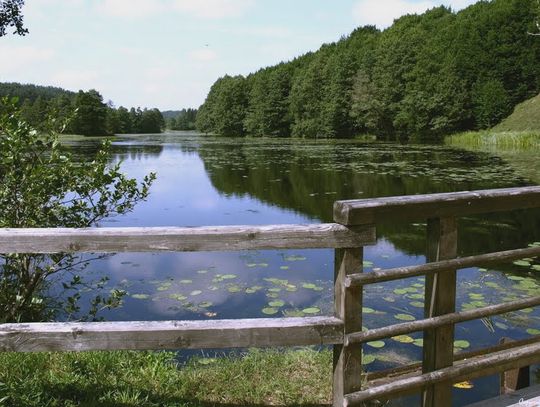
column 195, row 292
column 186, row 281
column 419, row 342
column 368, row 358
column 376, row 344
column 403, row 339
column 140, row 296
column 294, row 258
column 533, row 331
column 205, row 304
column 277, row 303
column 284, row 267
column 234, row 289
column 270, row 311
column 311, row 310
column 464, row 385
column 404, row 317
column 461, row 344
column 177, row 297
column 367, row 310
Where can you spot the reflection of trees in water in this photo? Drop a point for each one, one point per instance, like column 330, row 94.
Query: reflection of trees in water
column 87, row 151
column 308, row 178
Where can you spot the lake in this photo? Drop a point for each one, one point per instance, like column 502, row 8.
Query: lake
column 230, row 181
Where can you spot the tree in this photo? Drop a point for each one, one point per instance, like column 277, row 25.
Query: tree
column 10, row 16
column 90, row 115
column 42, row 186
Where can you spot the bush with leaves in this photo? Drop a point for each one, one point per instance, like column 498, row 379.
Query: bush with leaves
column 41, row 185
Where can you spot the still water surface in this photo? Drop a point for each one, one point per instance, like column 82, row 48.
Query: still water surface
column 226, row 181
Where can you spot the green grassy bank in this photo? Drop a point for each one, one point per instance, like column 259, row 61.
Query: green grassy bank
column 292, row 378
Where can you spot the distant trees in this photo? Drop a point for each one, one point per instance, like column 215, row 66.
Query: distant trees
column 182, row 120
column 426, row 76
column 82, row 113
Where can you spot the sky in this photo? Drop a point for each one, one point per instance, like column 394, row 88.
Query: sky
column 167, row 53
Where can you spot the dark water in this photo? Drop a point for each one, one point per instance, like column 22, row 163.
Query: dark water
column 217, row 181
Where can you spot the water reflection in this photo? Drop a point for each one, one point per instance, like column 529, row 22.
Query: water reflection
column 216, row 181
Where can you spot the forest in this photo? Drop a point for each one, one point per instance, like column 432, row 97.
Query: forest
column 424, row 77
column 180, row 119
column 83, row 113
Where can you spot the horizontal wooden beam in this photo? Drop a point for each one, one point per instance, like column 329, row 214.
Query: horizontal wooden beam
column 180, row 239
column 466, row 370
column 417, row 207
column 389, row 375
column 150, row 335
column 434, row 322
column 441, row 266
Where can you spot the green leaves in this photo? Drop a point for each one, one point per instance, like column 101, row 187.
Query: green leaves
column 41, row 185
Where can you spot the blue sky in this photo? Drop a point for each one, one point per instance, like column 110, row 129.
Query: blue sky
column 167, row 53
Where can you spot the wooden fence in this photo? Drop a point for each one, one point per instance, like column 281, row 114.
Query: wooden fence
column 354, row 229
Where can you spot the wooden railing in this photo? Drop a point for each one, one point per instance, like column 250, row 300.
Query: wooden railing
column 354, row 229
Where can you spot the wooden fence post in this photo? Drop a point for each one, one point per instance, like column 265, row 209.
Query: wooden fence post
column 347, row 307
column 440, row 299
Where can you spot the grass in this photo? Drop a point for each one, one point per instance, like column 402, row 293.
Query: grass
column 294, row 378
column 490, row 139
column 526, row 117
column 519, row 149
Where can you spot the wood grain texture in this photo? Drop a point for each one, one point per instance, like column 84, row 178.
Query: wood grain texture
column 465, row 370
column 439, row 321
column 441, row 266
column 347, row 365
column 156, row 239
column 143, row 335
column 440, row 299
column 417, row 207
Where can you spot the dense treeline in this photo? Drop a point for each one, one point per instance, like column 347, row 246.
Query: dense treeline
column 426, row 76
column 180, row 119
column 82, row 113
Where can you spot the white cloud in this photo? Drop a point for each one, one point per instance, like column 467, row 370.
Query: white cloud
column 16, row 58
column 203, row 55
column 130, row 9
column 214, row 9
column 76, row 79
column 382, row 13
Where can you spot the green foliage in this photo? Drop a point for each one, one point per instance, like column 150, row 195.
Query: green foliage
column 424, row 77
column 82, row 113
column 42, row 186
column 155, row 379
column 182, row 120
column 225, row 108
column 10, row 16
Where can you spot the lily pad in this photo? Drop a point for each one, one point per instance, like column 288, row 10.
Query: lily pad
column 195, row 292
column 270, row 311
column 461, row 344
column 376, row 344
column 533, row 331
column 228, row 276
column 276, row 303
column 140, row 296
column 205, row 304
column 403, row 339
column 311, row 310
column 404, row 317
column 417, row 304
column 367, row 359
column 464, row 385
column 367, row 310
column 522, row 263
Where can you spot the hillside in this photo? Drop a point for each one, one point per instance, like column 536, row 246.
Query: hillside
column 526, row 117
column 424, row 77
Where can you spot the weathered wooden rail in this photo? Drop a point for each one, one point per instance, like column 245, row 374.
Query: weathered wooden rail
column 354, row 229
